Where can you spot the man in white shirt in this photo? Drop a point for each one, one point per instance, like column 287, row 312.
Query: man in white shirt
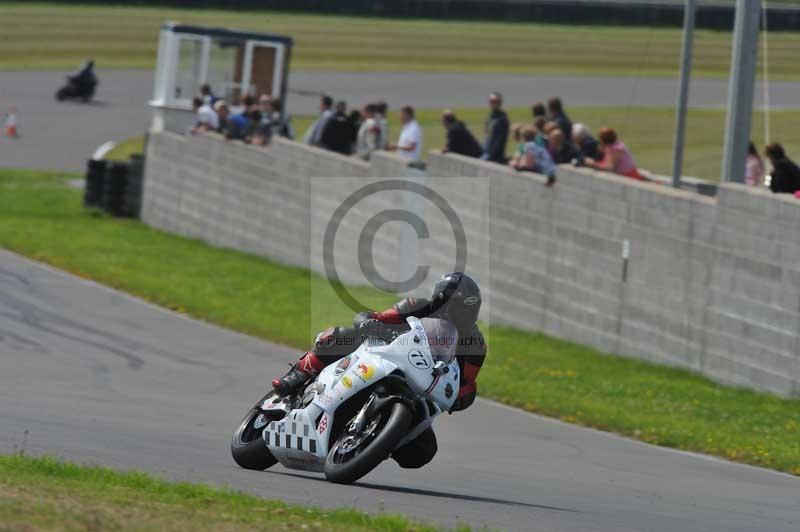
column 409, row 145
column 206, row 118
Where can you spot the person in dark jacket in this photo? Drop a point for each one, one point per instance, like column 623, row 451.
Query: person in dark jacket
column 586, row 143
column 459, row 139
column 497, row 126
column 337, row 135
column 555, row 113
column 785, row 173
column 561, row 150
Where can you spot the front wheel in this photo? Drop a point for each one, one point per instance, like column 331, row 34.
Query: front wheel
column 247, row 446
column 357, row 452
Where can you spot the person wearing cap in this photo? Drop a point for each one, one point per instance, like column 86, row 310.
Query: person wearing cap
column 206, row 118
column 459, row 139
column 497, row 125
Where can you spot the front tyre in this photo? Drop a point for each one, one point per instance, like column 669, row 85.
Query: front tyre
column 247, row 446
column 354, row 454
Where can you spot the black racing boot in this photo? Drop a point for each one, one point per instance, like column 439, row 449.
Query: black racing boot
column 308, row 366
column 290, row 383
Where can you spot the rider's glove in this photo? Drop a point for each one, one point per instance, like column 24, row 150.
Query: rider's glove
column 466, row 396
column 374, row 327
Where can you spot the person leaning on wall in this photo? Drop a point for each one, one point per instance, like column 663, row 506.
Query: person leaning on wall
column 785, row 173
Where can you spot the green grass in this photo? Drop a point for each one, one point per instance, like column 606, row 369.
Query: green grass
column 123, row 150
column 656, row 404
column 37, row 36
column 49, row 494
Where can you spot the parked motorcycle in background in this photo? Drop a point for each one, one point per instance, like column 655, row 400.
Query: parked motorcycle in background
column 356, row 412
column 80, row 86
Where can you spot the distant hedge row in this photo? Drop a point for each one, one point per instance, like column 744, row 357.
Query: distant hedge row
column 607, row 12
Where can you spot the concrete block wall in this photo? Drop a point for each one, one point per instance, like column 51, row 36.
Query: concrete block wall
column 711, row 284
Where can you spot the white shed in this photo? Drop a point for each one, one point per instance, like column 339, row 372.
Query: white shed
column 233, row 63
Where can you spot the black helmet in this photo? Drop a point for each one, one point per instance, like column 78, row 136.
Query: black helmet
column 456, row 297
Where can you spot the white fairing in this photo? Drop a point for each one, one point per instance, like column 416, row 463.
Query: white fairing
column 301, row 439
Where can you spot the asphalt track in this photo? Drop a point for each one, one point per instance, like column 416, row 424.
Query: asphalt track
column 96, row 376
column 63, row 135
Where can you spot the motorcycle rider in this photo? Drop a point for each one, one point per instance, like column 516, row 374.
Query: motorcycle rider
column 85, row 79
column 456, row 298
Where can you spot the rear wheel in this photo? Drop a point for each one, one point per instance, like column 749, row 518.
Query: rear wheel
column 247, row 446
column 357, row 452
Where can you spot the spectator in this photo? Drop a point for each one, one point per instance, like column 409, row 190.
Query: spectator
column 355, row 126
column 262, row 130
column 616, row 157
column 519, row 152
column 233, row 126
column 561, row 150
column 338, row 133
column 281, row 122
column 754, row 167
column 249, row 102
column 555, row 112
column 368, row 138
column 549, row 127
column 409, row 145
column 253, row 123
column 381, row 110
column 586, row 143
column 459, row 139
column 494, row 148
column 314, row 134
column 538, row 110
column 541, row 137
column 207, row 95
column 535, row 159
column 205, row 117
column 785, row 173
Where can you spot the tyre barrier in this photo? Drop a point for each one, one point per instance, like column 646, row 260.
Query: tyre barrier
column 95, row 176
column 115, row 186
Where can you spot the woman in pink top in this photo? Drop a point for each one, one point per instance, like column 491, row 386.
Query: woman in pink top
column 754, row 169
column 616, row 157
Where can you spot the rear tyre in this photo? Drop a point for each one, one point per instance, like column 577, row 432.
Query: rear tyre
column 247, row 446
column 354, row 455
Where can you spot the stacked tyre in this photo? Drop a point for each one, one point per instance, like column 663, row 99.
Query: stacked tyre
column 115, row 186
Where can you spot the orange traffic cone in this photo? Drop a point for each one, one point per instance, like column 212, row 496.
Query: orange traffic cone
column 11, row 123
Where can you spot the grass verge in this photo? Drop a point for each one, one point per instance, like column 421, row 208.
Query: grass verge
column 97, row 498
column 123, row 150
column 40, row 35
column 659, row 405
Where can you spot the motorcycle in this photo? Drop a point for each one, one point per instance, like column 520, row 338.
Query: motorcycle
column 80, row 85
column 355, row 413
